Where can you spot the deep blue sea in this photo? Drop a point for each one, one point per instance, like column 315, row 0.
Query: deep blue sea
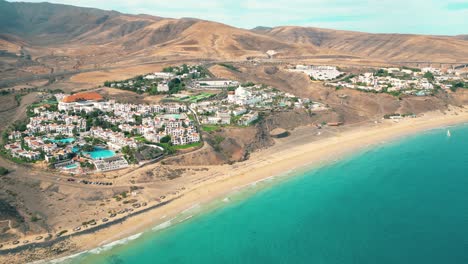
column 401, row 202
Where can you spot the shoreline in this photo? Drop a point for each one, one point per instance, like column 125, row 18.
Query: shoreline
column 269, row 163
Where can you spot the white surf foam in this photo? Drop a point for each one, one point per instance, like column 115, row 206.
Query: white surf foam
column 60, row 260
column 113, row 244
column 162, row 225
column 186, row 218
column 192, row 208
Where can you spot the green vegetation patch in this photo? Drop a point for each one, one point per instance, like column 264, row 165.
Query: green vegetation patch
column 3, row 171
column 200, row 97
column 149, row 152
column 216, row 142
column 129, row 154
column 429, row 76
column 192, row 145
column 191, row 99
column 410, row 68
column 248, row 84
column 230, row 67
column 458, row 85
column 210, row 128
column 51, row 102
column 62, row 232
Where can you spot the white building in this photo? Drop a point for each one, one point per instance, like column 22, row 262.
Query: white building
column 86, row 101
column 431, row 70
column 239, row 111
column 163, row 87
column 215, row 83
column 221, row 118
column 30, row 155
column 114, row 163
column 150, row 77
column 163, row 75
column 243, row 96
column 248, row 119
column 322, row 73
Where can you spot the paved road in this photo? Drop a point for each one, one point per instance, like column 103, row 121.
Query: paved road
column 27, row 173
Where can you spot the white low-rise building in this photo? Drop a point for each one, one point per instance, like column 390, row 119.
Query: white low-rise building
column 163, row 87
column 215, row 83
column 321, row 73
column 238, row 111
column 248, row 119
column 243, row 96
column 431, row 70
column 163, row 75
column 24, row 154
column 110, row 164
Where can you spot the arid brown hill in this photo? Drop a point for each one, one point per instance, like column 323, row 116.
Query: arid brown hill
column 392, row 47
column 51, row 25
column 88, row 35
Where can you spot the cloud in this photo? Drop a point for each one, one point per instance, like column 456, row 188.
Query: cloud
column 389, row 16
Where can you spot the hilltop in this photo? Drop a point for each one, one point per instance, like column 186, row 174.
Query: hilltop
column 391, row 47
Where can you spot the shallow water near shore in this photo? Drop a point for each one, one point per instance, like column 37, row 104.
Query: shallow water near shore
column 402, row 202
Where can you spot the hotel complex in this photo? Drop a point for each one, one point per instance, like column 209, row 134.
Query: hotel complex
column 87, row 129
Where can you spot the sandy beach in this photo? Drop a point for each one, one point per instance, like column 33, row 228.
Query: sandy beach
column 298, row 152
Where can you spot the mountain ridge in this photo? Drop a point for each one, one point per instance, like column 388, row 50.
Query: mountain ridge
column 63, row 27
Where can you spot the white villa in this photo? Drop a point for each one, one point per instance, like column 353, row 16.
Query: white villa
column 163, row 87
column 243, row 96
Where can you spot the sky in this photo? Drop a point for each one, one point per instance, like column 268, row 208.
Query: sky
column 440, row 17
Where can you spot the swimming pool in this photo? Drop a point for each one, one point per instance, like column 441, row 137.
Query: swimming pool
column 71, row 166
column 172, row 116
column 63, row 141
column 100, row 153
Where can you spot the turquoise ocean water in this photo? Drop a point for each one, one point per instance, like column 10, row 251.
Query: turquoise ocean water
column 402, row 202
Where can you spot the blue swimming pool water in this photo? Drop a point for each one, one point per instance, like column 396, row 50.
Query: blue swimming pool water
column 71, row 166
column 64, row 141
column 101, row 153
column 98, row 153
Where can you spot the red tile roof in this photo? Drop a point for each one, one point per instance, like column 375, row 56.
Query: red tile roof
column 87, row 96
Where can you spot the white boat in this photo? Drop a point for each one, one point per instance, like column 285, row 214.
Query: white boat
column 448, row 133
